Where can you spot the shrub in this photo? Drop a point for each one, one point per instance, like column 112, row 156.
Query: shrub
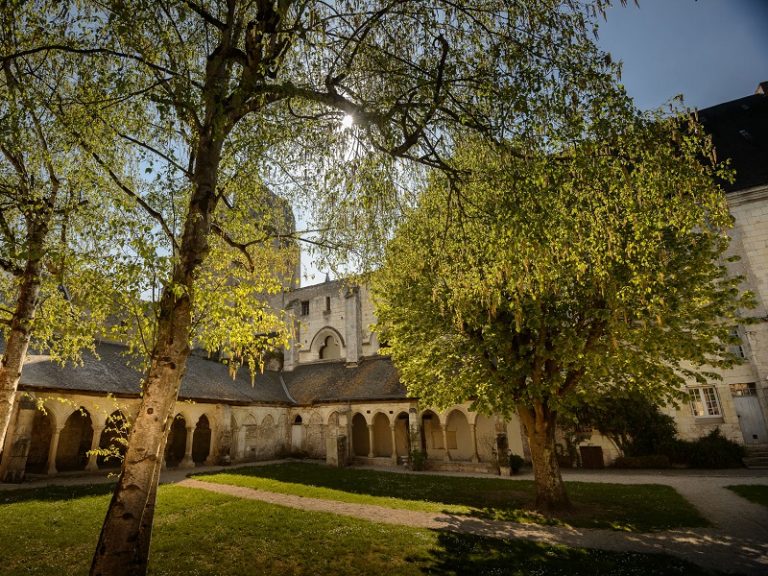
column 715, row 451
column 650, row 461
column 418, row 459
column 516, row 462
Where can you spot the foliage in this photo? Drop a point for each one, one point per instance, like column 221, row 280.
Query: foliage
column 634, row 423
column 49, row 531
column 549, row 280
column 516, row 462
column 615, row 506
column 711, row 451
column 647, row 461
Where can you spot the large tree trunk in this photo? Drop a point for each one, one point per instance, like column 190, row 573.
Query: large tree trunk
column 123, row 547
column 17, row 344
column 540, row 423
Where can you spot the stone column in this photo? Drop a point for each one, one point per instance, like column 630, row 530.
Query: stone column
column 93, row 464
column 370, row 440
column 444, row 428
column 394, row 445
column 473, row 433
column 53, row 450
column 212, row 448
column 187, row 461
column 353, row 325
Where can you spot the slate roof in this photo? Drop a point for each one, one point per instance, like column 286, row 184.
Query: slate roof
column 739, row 131
column 374, row 378
column 205, row 379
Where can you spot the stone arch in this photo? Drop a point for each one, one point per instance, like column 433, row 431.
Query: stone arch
column 382, row 435
column 458, row 436
column 321, row 339
column 201, row 440
column 402, row 435
column 297, row 434
column 431, row 435
column 75, row 441
column 114, row 438
column 360, row 442
column 177, row 441
column 43, row 425
column 333, row 420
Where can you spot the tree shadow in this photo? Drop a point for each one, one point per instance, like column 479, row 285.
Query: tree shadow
column 465, row 554
column 54, row 493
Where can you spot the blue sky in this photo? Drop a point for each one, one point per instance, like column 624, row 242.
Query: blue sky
column 711, row 51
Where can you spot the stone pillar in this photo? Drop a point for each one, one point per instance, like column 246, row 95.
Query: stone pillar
column 394, row 445
column 370, row 440
column 353, row 320
column 53, row 450
column 187, row 461
column 473, row 433
column 93, row 464
column 212, row 448
column 18, row 439
column 444, row 429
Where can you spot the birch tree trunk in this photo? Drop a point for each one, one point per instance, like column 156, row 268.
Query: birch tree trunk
column 123, row 547
column 540, row 425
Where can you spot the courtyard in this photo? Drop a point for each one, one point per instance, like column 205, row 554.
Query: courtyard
column 304, row 518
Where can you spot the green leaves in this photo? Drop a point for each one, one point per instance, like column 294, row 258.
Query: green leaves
column 558, row 276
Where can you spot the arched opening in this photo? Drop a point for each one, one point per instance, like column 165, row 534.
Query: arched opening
column 360, row 443
column 314, row 443
column 330, row 350
column 114, row 438
column 201, row 440
column 40, row 444
column 382, row 436
column 458, row 436
column 75, row 441
column 177, row 442
column 402, row 435
column 297, row 434
column 485, row 430
column 431, row 435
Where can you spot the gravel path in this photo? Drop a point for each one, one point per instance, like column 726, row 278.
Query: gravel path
column 738, row 542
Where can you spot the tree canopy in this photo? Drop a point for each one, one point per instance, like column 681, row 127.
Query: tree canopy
column 546, row 281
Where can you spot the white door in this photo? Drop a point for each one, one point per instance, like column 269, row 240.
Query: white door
column 750, row 415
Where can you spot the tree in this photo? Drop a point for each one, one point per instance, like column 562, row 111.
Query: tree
column 578, row 272
column 55, row 291
column 202, row 89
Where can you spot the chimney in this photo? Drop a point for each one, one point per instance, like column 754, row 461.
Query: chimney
column 762, row 88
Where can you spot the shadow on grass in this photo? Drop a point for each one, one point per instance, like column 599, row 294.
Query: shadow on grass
column 54, row 493
column 463, row 554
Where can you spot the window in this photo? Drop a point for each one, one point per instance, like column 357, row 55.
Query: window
column 305, row 307
column 704, row 402
column 327, row 303
column 738, row 390
column 736, row 347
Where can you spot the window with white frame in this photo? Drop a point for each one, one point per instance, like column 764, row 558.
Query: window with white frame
column 704, row 402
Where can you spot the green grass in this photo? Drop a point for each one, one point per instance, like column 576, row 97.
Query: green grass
column 639, row 507
column 752, row 492
column 53, row 531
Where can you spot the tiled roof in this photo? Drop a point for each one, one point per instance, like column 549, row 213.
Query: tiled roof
column 739, row 131
column 110, row 374
column 374, row 378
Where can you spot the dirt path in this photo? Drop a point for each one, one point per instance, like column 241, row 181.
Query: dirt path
column 711, row 548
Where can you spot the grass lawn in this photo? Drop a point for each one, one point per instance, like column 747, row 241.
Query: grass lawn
column 645, row 507
column 52, row 531
column 752, row 492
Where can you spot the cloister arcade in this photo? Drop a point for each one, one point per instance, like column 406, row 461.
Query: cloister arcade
column 87, row 434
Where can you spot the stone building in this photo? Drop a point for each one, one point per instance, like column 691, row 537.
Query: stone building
column 334, row 397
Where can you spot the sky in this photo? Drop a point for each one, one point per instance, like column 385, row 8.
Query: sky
column 708, row 51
